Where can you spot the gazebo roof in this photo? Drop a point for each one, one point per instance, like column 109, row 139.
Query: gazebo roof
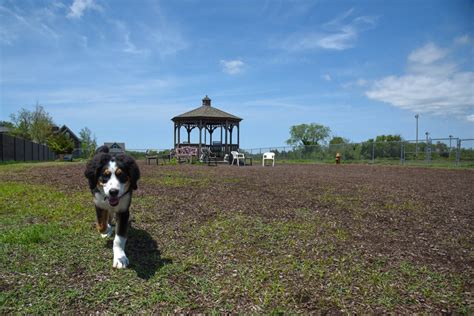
column 206, row 111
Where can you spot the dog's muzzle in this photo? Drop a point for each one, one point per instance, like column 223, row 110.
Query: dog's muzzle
column 113, row 197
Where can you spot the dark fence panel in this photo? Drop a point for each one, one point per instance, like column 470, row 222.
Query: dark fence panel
column 28, row 150
column 40, row 152
column 35, row 151
column 51, row 155
column 19, row 149
column 44, row 155
column 8, row 148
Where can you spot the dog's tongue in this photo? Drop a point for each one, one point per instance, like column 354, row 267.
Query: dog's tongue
column 113, row 201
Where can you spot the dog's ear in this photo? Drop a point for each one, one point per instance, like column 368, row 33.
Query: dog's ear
column 93, row 168
column 132, row 169
column 102, row 149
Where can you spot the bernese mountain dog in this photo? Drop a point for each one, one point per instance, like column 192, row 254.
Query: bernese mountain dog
column 112, row 180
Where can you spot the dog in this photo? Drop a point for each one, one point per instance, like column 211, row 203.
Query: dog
column 112, row 179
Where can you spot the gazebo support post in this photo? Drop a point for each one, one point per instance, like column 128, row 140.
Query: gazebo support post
column 189, row 134
column 174, row 138
column 226, row 129
column 200, row 138
column 238, row 136
column 179, row 135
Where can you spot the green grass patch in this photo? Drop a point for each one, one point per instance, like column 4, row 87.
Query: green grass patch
column 280, row 265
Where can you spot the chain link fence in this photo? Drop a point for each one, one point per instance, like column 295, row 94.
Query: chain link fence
column 443, row 151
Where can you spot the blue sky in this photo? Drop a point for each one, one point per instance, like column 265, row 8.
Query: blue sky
column 125, row 68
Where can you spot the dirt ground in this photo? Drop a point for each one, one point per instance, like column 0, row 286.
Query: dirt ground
column 423, row 216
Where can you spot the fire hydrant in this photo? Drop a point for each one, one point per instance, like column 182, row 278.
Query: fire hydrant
column 338, row 158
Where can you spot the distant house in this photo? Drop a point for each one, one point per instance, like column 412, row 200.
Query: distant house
column 76, row 140
column 116, row 148
column 4, row 130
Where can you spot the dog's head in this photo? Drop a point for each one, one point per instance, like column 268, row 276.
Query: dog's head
column 112, row 176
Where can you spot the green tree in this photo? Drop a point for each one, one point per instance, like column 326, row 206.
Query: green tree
column 60, row 143
column 386, row 146
column 7, row 124
column 41, row 125
column 34, row 125
column 388, row 138
column 88, row 142
column 22, row 124
column 308, row 134
column 336, row 140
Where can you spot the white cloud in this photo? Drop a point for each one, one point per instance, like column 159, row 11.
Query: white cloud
column 326, row 77
column 463, row 39
column 17, row 23
column 470, row 118
column 357, row 83
column 78, row 7
column 341, row 33
column 232, row 67
column 131, row 47
column 431, row 85
column 427, row 54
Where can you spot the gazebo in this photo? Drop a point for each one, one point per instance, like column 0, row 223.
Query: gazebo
column 209, row 119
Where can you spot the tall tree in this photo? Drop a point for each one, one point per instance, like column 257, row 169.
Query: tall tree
column 34, row 125
column 308, row 134
column 22, row 124
column 41, row 125
column 88, row 142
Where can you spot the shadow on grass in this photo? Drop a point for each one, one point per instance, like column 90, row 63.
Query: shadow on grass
column 143, row 253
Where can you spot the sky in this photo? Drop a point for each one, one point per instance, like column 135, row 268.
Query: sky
column 123, row 69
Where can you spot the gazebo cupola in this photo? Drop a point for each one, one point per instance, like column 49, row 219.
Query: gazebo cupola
column 208, row 118
column 206, row 101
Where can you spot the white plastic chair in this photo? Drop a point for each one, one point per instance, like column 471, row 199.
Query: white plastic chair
column 236, row 156
column 268, row 156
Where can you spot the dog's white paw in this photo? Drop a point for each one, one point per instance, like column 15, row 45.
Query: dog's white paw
column 120, row 262
column 108, row 232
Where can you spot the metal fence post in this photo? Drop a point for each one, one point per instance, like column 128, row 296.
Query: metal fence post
column 458, row 152
column 402, row 153
column 373, row 152
column 428, row 150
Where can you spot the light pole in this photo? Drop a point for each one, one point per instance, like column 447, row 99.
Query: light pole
column 416, row 146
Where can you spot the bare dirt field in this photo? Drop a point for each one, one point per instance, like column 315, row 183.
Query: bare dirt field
column 293, row 238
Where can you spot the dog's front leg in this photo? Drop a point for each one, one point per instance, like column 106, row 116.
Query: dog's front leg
column 120, row 259
column 103, row 225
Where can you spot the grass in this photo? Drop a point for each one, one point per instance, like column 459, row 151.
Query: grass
column 53, row 261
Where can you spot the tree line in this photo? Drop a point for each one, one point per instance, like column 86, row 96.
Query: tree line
column 314, row 141
column 38, row 126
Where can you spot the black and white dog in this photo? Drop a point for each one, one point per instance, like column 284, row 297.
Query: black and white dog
column 112, row 180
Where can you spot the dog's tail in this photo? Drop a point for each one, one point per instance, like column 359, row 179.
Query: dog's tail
column 102, row 149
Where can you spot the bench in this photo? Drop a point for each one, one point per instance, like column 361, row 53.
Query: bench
column 150, row 155
column 186, row 154
column 155, row 155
